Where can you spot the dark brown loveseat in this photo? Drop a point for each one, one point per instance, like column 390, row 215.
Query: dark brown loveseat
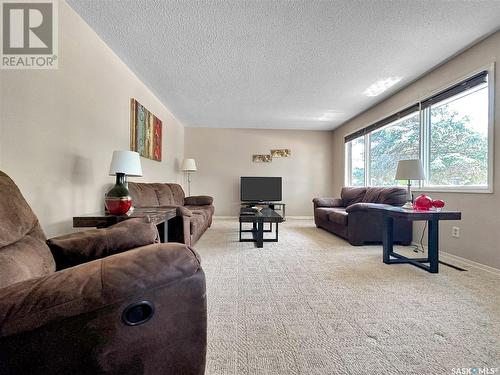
column 194, row 214
column 78, row 310
column 349, row 217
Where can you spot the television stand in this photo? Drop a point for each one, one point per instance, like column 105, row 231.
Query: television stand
column 275, row 206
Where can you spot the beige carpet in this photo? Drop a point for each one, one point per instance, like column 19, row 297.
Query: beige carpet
column 313, row 304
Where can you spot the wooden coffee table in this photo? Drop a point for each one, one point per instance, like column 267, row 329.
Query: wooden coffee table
column 432, row 217
column 156, row 215
column 258, row 219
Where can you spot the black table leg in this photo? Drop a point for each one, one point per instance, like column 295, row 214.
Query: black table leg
column 388, row 239
column 260, row 234
column 163, row 231
column 433, row 243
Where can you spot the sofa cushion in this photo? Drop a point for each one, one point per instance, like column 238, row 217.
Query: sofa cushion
column 338, row 216
column 351, row 195
column 322, row 213
column 169, row 194
column 395, row 196
column 23, row 252
column 25, row 259
column 143, row 194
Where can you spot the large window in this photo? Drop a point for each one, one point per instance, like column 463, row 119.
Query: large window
column 396, row 141
column 356, row 156
column 450, row 132
column 459, row 140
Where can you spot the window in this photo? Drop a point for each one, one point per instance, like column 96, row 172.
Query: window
column 356, row 156
column 396, row 141
column 459, row 140
column 450, row 132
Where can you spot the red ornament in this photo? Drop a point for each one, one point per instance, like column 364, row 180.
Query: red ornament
column 118, row 206
column 438, row 203
column 423, row 202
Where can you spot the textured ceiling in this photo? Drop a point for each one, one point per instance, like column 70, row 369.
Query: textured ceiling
column 282, row 64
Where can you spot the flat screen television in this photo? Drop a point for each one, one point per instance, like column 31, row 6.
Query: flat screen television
column 260, row 189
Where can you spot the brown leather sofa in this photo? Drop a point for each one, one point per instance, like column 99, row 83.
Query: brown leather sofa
column 104, row 301
column 194, row 214
column 349, row 217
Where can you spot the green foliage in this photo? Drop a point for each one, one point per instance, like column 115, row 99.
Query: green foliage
column 358, row 177
column 391, row 144
column 458, row 155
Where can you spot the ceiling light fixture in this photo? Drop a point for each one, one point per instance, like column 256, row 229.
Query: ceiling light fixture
column 330, row 115
column 381, row 85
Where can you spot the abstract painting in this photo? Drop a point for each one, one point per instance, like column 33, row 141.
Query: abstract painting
column 262, row 158
column 281, row 153
column 145, row 131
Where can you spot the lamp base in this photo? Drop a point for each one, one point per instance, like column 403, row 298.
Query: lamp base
column 118, row 200
column 407, row 206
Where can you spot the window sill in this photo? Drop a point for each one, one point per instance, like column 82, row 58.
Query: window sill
column 488, row 190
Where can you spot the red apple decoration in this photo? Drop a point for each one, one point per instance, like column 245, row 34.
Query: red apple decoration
column 423, row 202
column 438, row 203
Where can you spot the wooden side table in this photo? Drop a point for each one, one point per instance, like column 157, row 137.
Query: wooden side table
column 157, row 216
column 432, row 217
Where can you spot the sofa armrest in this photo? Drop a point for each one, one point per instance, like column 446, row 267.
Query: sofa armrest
column 80, row 247
column 364, row 207
column 180, row 210
column 92, row 286
column 183, row 211
column 328, row 202
column 198, row 200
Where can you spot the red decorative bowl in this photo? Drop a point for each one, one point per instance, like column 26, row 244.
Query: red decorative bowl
column 438, row 203
column 423, row 202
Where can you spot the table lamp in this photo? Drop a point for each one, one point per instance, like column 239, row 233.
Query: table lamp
column 409, row 170
column 189, row 166
column 123, row 163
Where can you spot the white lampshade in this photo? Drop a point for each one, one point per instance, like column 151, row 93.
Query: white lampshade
column 410, row 170
column 189, row 165
column 128, row 162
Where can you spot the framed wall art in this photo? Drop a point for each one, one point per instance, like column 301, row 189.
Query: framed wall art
column 145, row 132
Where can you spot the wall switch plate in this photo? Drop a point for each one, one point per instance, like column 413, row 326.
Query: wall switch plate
column 455, row 232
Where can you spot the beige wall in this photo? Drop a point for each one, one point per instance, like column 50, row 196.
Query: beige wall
column 223, row 155
column 480, row 226
column 58, row 128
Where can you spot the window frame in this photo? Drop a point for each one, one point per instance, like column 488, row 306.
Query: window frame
column 425, row 140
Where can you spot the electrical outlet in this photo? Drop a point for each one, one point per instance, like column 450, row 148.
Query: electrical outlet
column 455, row 232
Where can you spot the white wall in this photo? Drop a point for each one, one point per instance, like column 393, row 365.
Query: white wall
column 59, row 128
column 224, row 155
column 480, row 226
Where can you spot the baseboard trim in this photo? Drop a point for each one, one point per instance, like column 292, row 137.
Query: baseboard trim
column 471, row 263
column 465, row 261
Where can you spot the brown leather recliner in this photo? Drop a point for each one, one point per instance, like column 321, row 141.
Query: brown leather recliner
column 194, row 214
column 92, row 306
column 349, row 217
